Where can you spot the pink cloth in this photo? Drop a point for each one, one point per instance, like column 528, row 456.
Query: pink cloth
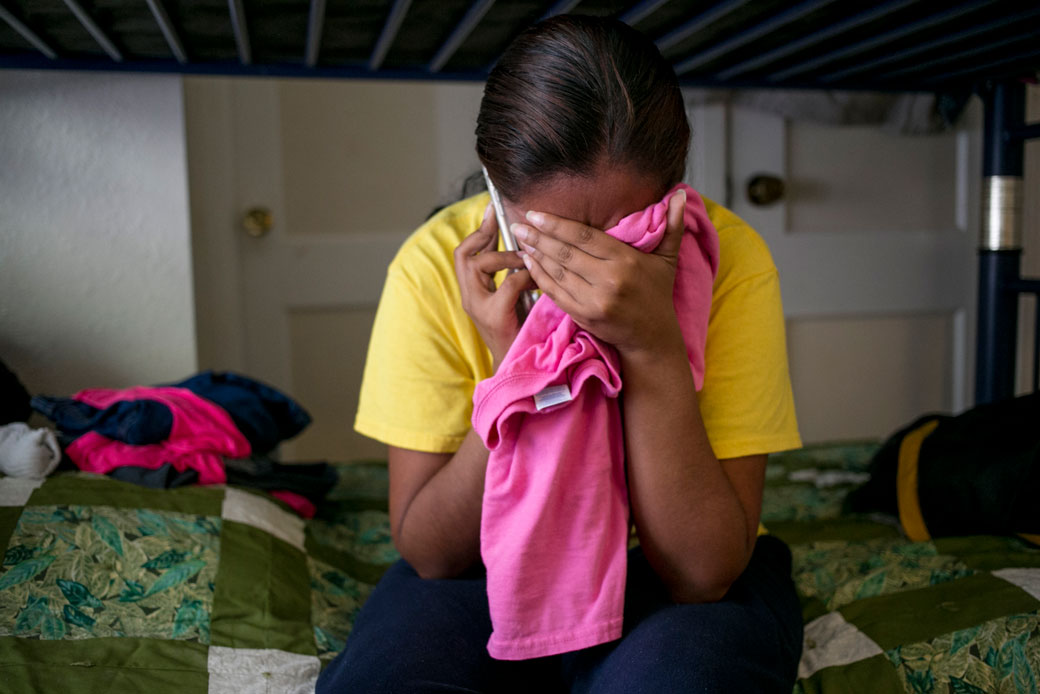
column 554, row 523
column 202, row 435
column 303, row 506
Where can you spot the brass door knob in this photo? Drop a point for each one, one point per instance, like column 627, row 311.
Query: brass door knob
column 257, row 221
column 764, row 189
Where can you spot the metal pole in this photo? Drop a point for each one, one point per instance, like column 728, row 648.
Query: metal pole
column 1000, row 247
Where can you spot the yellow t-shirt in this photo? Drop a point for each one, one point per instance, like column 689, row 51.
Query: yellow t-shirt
column 426, row 356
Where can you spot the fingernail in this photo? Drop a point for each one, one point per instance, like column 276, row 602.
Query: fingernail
column 518, row 230
column 487, row 211
column 681, row 193
column 535, row 218
column 527, row 260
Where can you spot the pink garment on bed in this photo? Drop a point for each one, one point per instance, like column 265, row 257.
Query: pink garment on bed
column 202, row 435
column 303, row 506
column 554, row 524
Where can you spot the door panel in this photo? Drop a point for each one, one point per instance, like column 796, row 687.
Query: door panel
column 327, row 345
column 356, row 160
column 348, row 169
column 874, row 240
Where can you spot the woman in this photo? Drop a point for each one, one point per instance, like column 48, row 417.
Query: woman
column 582, row 123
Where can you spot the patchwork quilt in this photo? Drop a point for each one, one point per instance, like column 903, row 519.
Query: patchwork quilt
column 110, row 587
column 884, row 614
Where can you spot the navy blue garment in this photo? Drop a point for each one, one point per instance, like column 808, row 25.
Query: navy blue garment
column 265, row 416
column 162, row 477
column 137, row 422
column 310, row 480
column 418, row 635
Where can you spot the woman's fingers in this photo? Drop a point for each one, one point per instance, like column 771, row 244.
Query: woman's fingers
column 558, row 258
column 513, row 284
column 580, row 236
column 491, row 262
column 481, row 239
column 558, row 291
column 476, row 257
column 669, row 246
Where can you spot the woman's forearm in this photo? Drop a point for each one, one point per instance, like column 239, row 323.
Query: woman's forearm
column 438, row 529
column 691, row 523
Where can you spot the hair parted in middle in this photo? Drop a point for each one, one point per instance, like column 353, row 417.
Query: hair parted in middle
column 574, row 93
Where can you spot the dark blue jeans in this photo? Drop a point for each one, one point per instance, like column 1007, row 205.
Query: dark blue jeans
column 416, row 635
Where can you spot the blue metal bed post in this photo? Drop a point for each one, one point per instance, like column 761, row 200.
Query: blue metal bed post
column 1000, row 248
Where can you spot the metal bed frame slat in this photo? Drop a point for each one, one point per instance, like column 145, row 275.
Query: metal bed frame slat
column 952, row 56
column 878, row 40
column 468, row 23
column 94, row 30
column 750, row 34
column 169, row 33
column 27, row 34
column 692, row 26
column 315, row 21
column 238, row 25
column 925, row 46
column 814, row 38
column 639, row 11
column 981, row 68
column 389, row 33
column 561, row 7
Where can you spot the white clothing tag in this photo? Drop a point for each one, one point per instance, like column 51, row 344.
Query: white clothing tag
column 552, row 395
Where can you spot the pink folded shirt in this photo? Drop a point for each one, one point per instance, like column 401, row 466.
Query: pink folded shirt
column 203, row 434
column 554, row 522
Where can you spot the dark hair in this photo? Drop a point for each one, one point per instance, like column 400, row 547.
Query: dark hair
column 572, row 93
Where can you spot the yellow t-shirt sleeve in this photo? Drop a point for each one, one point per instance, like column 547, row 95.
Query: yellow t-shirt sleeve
column 425, row 356
column 746, row 402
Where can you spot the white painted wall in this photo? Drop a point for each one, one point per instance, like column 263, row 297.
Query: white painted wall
column 95, row 261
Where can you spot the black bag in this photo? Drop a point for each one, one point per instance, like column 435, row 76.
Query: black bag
column 976, row 473
column 14, row 398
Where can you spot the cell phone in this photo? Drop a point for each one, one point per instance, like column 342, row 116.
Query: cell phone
column 527, row 297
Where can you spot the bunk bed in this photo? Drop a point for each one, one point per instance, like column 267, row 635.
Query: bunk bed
column 109, row 587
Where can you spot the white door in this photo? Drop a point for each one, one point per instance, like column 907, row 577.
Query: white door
column 874, row 241
column 346, row 170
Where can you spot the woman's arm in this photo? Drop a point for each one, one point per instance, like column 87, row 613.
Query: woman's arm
column 435, row 498
column 696, row 516
column 435, row 501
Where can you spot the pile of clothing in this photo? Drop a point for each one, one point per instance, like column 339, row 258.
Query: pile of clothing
column 211, row 428
column 24, row 451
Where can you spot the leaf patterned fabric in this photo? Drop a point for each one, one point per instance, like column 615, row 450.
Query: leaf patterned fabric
column 78, row 572
column 99, row 572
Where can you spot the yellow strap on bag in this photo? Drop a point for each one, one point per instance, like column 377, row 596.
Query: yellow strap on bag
column 906, row 482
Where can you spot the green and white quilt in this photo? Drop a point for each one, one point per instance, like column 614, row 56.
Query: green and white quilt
column 110, row 587
column 884, row 614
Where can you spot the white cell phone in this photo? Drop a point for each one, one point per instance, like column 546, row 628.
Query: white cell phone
column 528, row 297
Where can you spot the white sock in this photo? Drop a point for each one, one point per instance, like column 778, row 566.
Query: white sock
column 27, row 452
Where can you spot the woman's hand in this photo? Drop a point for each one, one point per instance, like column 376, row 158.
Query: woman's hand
column 492, row 310
column 621, row 295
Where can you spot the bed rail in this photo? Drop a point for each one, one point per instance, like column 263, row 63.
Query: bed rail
column 1000, row 248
